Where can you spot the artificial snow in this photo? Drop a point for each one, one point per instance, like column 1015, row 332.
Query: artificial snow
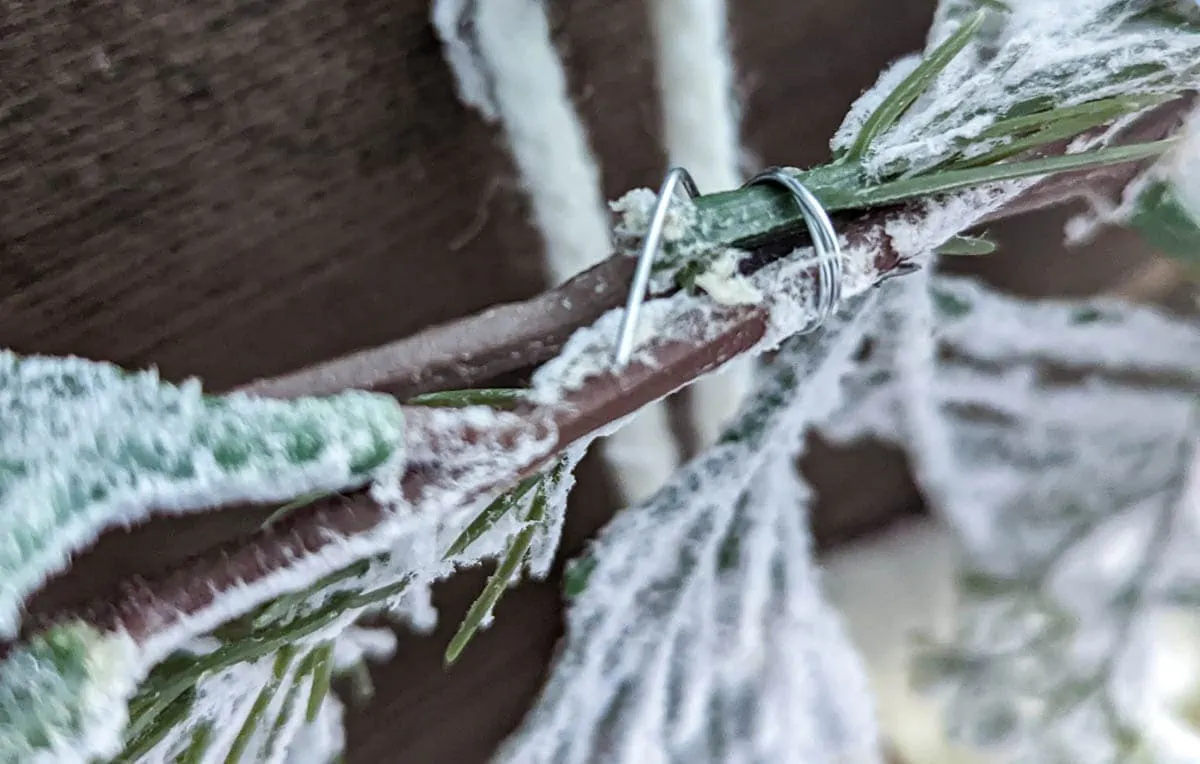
column 408, row 545
column 589, row 351
column 87, row 446
column 703, row 613
column 63, row 696
column 633, row 211
column 725, row 285
column 1056, row 439
column 549, row 531
column 866, row 104
column 1099, row 332
column 1034, row 52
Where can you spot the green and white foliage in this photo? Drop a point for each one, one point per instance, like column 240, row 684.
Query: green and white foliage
column 999, row 82
column 1031, row 73
column 276, row 708
column 1059, row 439
column 1022, row 75
column 1056, row 438
column 248, row 689
column 257, row 688
column 63, row 696
column 86, row 446
column 521, row 529
column 697, row 631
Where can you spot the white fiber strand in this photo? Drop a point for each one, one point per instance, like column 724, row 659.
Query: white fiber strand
column 545, row 135
column 700, row 130
column 548, row 143
column 451, row 19
column 695, row 83
column 643, row 453
column 714, row 400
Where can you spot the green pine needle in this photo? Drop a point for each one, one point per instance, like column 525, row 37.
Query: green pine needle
column 1100, row 112
column 322, row 677
column 171, row 714
column 490, row 516
column 283, row 660
column 1052, row 132
column 967, row 245
column 898, row 101
column 499, row 580
column 282, row 609
column 292, row 506
column 953, row 180
column 303, row 671
column 500, row 397
column 183, row 672
column 747, row 216
column 201, row 741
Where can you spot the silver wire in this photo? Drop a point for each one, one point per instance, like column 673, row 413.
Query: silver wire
column 825, row 242
column 650, row 248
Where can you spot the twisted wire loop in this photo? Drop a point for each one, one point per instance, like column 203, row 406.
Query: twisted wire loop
column 820, row 228
column 676, row 176
column 825, row 242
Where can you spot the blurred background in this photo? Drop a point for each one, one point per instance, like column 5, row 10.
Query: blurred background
column 234, row 189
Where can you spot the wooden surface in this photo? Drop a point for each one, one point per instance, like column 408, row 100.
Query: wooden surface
column 237, row 189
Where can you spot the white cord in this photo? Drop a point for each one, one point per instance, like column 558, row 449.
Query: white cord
column 515, row 75
column 700, row 130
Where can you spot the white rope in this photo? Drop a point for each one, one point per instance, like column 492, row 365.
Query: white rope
column 545, row 135
column 695, row 84
column 514, row 74
column 700, row 130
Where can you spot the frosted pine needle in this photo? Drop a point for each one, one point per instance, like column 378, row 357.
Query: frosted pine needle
column 86, row 446
column 699, row 633
column 1028, row 57
column 63, row 695
column 1058, row 441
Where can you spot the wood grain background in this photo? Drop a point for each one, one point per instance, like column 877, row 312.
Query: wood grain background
column 237, row 188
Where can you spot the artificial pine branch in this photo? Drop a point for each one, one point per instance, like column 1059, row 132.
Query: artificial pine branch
column 469, row 351
column 896, row 205
column 605, row 399
column 148, row 611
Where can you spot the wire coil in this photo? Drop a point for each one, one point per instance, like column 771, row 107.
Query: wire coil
column 676, row 176
column 820, row 228
column 825, row 242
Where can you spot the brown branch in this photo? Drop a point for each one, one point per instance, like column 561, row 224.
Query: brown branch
column 465, row 352
column 471, row 350
column 149, row 606
column 146, row 607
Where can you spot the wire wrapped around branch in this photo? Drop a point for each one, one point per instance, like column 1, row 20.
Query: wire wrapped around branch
column 567, row 324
